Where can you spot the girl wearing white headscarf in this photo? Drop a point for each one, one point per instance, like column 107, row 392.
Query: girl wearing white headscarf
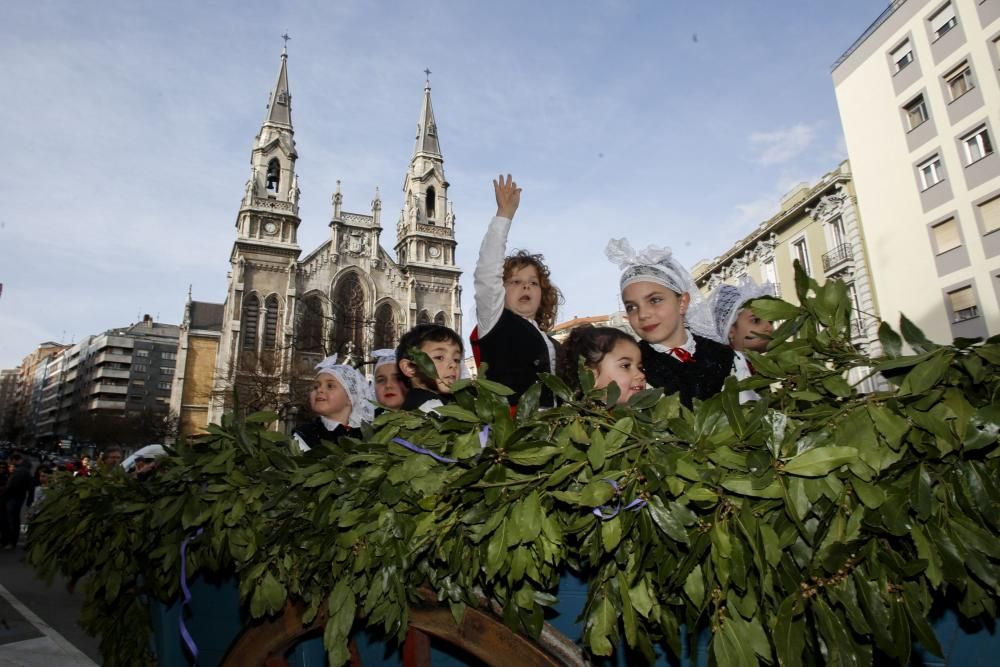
column 390, row 392
column 666, row 310
column 341, row 398
column 738, row 327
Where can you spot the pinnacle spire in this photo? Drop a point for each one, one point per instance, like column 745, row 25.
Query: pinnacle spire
column 279, row 107
column 427, row 139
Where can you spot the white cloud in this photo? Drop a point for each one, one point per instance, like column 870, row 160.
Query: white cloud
column 783, row 145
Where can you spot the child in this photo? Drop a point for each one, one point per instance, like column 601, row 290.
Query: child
column 612, row 354
column 444, row 347
column 515, row 305
column 662, row 304
column 389, row 388
column 739, row 327
column 342, row 400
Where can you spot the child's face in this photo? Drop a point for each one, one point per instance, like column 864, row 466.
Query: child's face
column 623, row 364
column 389, row 391
column 746, row 330
column 656, row 313
column 328, row 398
column 523, row 291
column 447, row 358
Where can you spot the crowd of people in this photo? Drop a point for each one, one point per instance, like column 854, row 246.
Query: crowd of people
column 687, row 344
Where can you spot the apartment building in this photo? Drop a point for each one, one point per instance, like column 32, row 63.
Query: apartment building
column 919, row 99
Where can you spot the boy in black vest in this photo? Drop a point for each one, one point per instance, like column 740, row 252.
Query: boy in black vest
column 444, row 347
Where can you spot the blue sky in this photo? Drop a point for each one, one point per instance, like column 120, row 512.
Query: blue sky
column 128, row 127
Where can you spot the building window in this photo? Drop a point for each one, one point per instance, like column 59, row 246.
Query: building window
column 163, row 385
column 140, row 368
column 251, row 311
column 168, row 355
column 271, row 322
column 990, row 213
column 166, row 370
column 943, row 21
column 976, row 145
column 138, row 383
column 430, row 200
column 142, row 353
column 901, row 56
column 273, row 176
column 959, row 81
column 963, row 304
column 930, row 173
column 800, row 251
column 946, row 236
column 916, row 113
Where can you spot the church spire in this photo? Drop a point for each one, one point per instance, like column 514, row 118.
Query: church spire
column 279, row 107
column 427, row 138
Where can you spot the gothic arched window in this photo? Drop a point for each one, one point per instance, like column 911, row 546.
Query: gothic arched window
column 385, row 327
column 431, row 199
column 423, row 318
column 249, row 322
column 310, row 325
column 349, row 316
column 271, row 322
column 273, row 175
column 439, row 319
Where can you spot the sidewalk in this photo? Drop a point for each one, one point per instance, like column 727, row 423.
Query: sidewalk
column 28, row 641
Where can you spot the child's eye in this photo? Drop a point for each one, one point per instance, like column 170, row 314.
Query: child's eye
column 655, row 300
column 629, row 307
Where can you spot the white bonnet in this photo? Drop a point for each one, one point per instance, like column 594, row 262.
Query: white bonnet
column 357, row 388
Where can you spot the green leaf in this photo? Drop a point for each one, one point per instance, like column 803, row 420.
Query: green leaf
column 892, row 344
column 597, row 450
column 669, row 522
column 611, row 533
column 456, row 412
column 628, row 612
column 533, row 457
column 788, row 632
column 598, row 492
column 774, row 309
column 926, row 375
column 914, row 336
column 494, row 387
column 694, row 587
column 819, row 461
column 745, row 486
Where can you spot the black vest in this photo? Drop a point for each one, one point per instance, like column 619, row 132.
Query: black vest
column 702, row 378
column 313, row 432
column 415, row 397
column 515, row 353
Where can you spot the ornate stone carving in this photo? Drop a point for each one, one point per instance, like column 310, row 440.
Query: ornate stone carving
column 273, row 204
column 358, row 219
column 354, row 243
column 434, row 230
column 829, row 205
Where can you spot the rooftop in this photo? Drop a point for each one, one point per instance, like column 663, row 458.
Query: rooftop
column 882, row 18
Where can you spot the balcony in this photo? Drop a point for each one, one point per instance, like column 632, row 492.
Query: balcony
column 106, row 388
column 859, row 327
column 109, row 357
column 838, row 256
column 104, row 404
column 117, row 373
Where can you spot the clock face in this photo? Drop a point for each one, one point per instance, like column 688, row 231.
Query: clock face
column 270, row 227
column 434, row 251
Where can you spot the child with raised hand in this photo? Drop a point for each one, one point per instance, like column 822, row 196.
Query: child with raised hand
column 444, row 348
column 390, row 392
column 666, row 310
column 341, row 398
column 739, row 327
column 610, row 353
column 515, row 305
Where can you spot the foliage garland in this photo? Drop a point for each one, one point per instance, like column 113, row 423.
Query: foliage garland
column 816, row 525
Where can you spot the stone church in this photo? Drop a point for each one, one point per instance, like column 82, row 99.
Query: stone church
column 284, row 312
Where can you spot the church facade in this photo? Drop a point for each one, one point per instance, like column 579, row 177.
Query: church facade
column 283, row 312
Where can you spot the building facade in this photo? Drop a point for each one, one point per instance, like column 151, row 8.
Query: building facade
column 8, row 402
column 819, row 226
column 919, row 98
column 121, row 374
column 284, row 312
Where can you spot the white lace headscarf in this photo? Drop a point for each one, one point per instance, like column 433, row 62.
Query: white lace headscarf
column 658, row 265
column 384, row 356
column 354, row 383
column 727, row 302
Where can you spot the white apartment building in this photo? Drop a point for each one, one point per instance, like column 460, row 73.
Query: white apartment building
column 919, row 99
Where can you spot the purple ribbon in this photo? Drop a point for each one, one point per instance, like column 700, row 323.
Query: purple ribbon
column 186, row 592
column 606, row 512
column 420, row 450
column 484, row 435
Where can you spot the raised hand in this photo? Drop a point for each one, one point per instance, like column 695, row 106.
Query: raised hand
column 508, row 196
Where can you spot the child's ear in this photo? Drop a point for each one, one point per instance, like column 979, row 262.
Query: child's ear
column 407, row 368
column 684, row 299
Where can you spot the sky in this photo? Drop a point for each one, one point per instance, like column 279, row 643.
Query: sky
column 128, row 127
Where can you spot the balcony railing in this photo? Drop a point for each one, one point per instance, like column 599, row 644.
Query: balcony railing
column 837, row 256
column 859, row 327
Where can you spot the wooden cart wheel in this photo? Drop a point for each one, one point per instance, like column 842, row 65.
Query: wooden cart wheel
column 481, row 634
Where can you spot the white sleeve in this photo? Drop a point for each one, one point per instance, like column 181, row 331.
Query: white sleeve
column 297, row 439
column 488, row 276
